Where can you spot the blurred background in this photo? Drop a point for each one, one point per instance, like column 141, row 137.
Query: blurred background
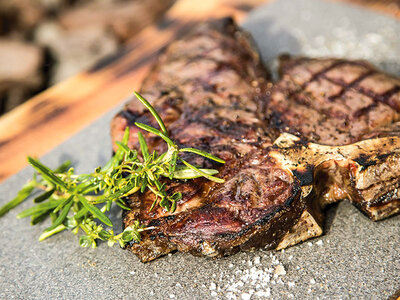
column 43, row 42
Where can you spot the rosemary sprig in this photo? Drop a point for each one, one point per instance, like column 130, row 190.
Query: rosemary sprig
column 74, row 201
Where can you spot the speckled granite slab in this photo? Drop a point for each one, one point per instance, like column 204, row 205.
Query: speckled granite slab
column 356, row 258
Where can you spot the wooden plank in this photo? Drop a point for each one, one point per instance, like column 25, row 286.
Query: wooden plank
column 48, row 119
column 389, row 7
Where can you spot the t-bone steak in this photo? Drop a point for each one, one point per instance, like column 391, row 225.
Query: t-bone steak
column 325, row 132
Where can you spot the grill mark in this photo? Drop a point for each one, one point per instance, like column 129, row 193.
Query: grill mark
column 314, row 77
column 386, row 96
column 347, row 87
column 364, row 110
column 382, row 98
column 319, row 74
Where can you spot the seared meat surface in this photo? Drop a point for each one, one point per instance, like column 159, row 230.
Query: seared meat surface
column 208, row 87
column 332, row 101
column 338, row 102
column 213, row 94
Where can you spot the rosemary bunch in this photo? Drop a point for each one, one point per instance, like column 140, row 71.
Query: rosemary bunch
column 74, row 201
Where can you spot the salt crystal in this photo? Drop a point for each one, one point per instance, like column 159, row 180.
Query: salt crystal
column 320, row 243
column 213, row 286
column 290, row 257
column 132, row 272
column 309, row 244
column 291, row 284
column 172, row 296
column 214, row 294
column 246, row 296
column 263, row 294
column 257, row 260
column 280, row 270
column 312, row 281
column 230, row 266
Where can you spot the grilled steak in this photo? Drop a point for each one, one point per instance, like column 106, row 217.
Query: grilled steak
column 208, row 88
column 211, row 90
column 337, row 102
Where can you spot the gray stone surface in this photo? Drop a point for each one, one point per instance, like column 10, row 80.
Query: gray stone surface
column 356, row 258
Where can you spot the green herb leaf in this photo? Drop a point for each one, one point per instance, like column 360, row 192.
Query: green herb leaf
column 95, row 211
column 189, row 173
column 46, row 195
column 153, row 112
column 156, row 132
column 86, row 241
column 37, row 218
column 143, row 146
column 212, row 178
column 47, row 234
column 21, row 196
column 62, row 215
column 47, row 173
column 202, row 153
column 63, row 167
column 42, row 207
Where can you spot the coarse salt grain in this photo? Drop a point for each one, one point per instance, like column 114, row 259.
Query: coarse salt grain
column 280, row 270
column 251, row 278
column 266, row 293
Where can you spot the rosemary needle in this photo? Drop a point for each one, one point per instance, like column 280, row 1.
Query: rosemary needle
column 74, row 201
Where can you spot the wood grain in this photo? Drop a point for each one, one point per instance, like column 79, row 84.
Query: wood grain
column 389, row 7
column 48, row 119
